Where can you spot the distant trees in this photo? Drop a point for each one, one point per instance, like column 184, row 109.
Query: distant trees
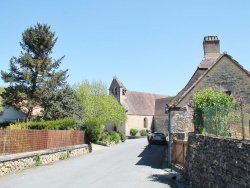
column 34, row 72
column 98, row 105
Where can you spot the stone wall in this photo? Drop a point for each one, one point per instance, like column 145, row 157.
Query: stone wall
column 16, row 162
column 160, row 124
column 217, row 162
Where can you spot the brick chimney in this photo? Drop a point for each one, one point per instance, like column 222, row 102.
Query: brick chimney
column 211, row 45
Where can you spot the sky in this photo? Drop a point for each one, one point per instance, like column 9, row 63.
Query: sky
column 151, row 46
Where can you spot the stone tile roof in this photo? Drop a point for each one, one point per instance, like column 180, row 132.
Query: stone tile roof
column 160, row 105
column 119, row 83
column 140, row 103
column 206, row 64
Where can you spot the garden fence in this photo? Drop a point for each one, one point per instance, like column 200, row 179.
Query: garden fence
column 227, row 120
column 18, row 141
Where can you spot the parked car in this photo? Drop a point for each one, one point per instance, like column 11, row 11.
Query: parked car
column 159, row 138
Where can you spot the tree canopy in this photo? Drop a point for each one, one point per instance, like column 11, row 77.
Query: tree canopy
column 34, row 72
column 61, row 103
column 98, row 105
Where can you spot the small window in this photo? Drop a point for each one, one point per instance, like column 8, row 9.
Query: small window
column 115, row 91
column 123, row 92
column 145, row 122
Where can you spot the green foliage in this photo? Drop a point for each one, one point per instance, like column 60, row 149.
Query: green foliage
column 122, row 136
column 206, row 98
column 61, row 124
column 98, row 104
column 114, row 137
column 110, row 137
column 34, row 72
column 143, row 132
column 60, row 104
column 1, row 103
column 4, row 125
column 222, row 119
column 93, row 130
column 133, row 131
column 37, row 160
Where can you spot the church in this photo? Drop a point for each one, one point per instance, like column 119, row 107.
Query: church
column 145, row 111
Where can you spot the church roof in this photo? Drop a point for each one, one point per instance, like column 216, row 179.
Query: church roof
column 140, row 103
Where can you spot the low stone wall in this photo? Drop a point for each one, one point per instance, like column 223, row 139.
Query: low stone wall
column 217, row 162
column 16, row 162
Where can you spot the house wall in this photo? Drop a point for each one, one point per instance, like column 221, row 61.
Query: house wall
column 160, row 124
column 226, row 76
column 137, row 122
column 11, row 115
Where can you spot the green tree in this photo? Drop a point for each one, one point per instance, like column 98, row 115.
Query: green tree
column 208, row 98
column 33, row 72
column 98, row 105
column 1, row 104
column 61, row 103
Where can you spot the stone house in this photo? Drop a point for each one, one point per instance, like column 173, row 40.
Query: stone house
column 144, row 110
column 217, row 71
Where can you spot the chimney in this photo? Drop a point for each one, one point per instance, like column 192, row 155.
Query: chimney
column 211, row 45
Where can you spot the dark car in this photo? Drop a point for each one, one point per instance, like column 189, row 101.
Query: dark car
column 159, row 138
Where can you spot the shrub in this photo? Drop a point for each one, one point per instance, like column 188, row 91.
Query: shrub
column 111, row 136
column 61, row 124
column 93, row 130
column 122, row 136
column 133, row 131
column 143, row 132
column 114, row 137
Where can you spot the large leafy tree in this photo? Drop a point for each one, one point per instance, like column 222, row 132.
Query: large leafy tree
column 98, row 105
column 33, row 72
column 61, row 103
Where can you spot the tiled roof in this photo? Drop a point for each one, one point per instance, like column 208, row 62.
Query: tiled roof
column 140, row 103
column 160, row 105
column 206, row 64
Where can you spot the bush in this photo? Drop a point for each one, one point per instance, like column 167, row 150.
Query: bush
column 93, row 130
column 114, row 137
column 143, row 132
column 133, row 131
column 109, row 137
column 122, row 136
column 61, row 124
column 5, row 124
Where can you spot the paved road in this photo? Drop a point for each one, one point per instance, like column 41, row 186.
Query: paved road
column 126, row 165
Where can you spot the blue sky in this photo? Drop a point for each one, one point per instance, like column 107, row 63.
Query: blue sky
column 152, row 46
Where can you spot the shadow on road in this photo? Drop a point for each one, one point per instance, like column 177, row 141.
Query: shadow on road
column 152, row 157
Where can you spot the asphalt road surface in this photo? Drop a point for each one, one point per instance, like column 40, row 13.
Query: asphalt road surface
column 126, row 165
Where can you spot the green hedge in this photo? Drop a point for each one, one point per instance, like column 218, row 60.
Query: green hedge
column 61, row 124
column 133, row 131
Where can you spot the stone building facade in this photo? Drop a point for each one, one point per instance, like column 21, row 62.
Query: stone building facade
column 216, row 71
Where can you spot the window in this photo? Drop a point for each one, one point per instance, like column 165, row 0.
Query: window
column 115, row 91
column 145, row 122
column 123, row 92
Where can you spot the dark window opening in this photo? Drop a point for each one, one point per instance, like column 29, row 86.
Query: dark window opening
column 145, row 122
column 115, row 92
column 123, row 92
